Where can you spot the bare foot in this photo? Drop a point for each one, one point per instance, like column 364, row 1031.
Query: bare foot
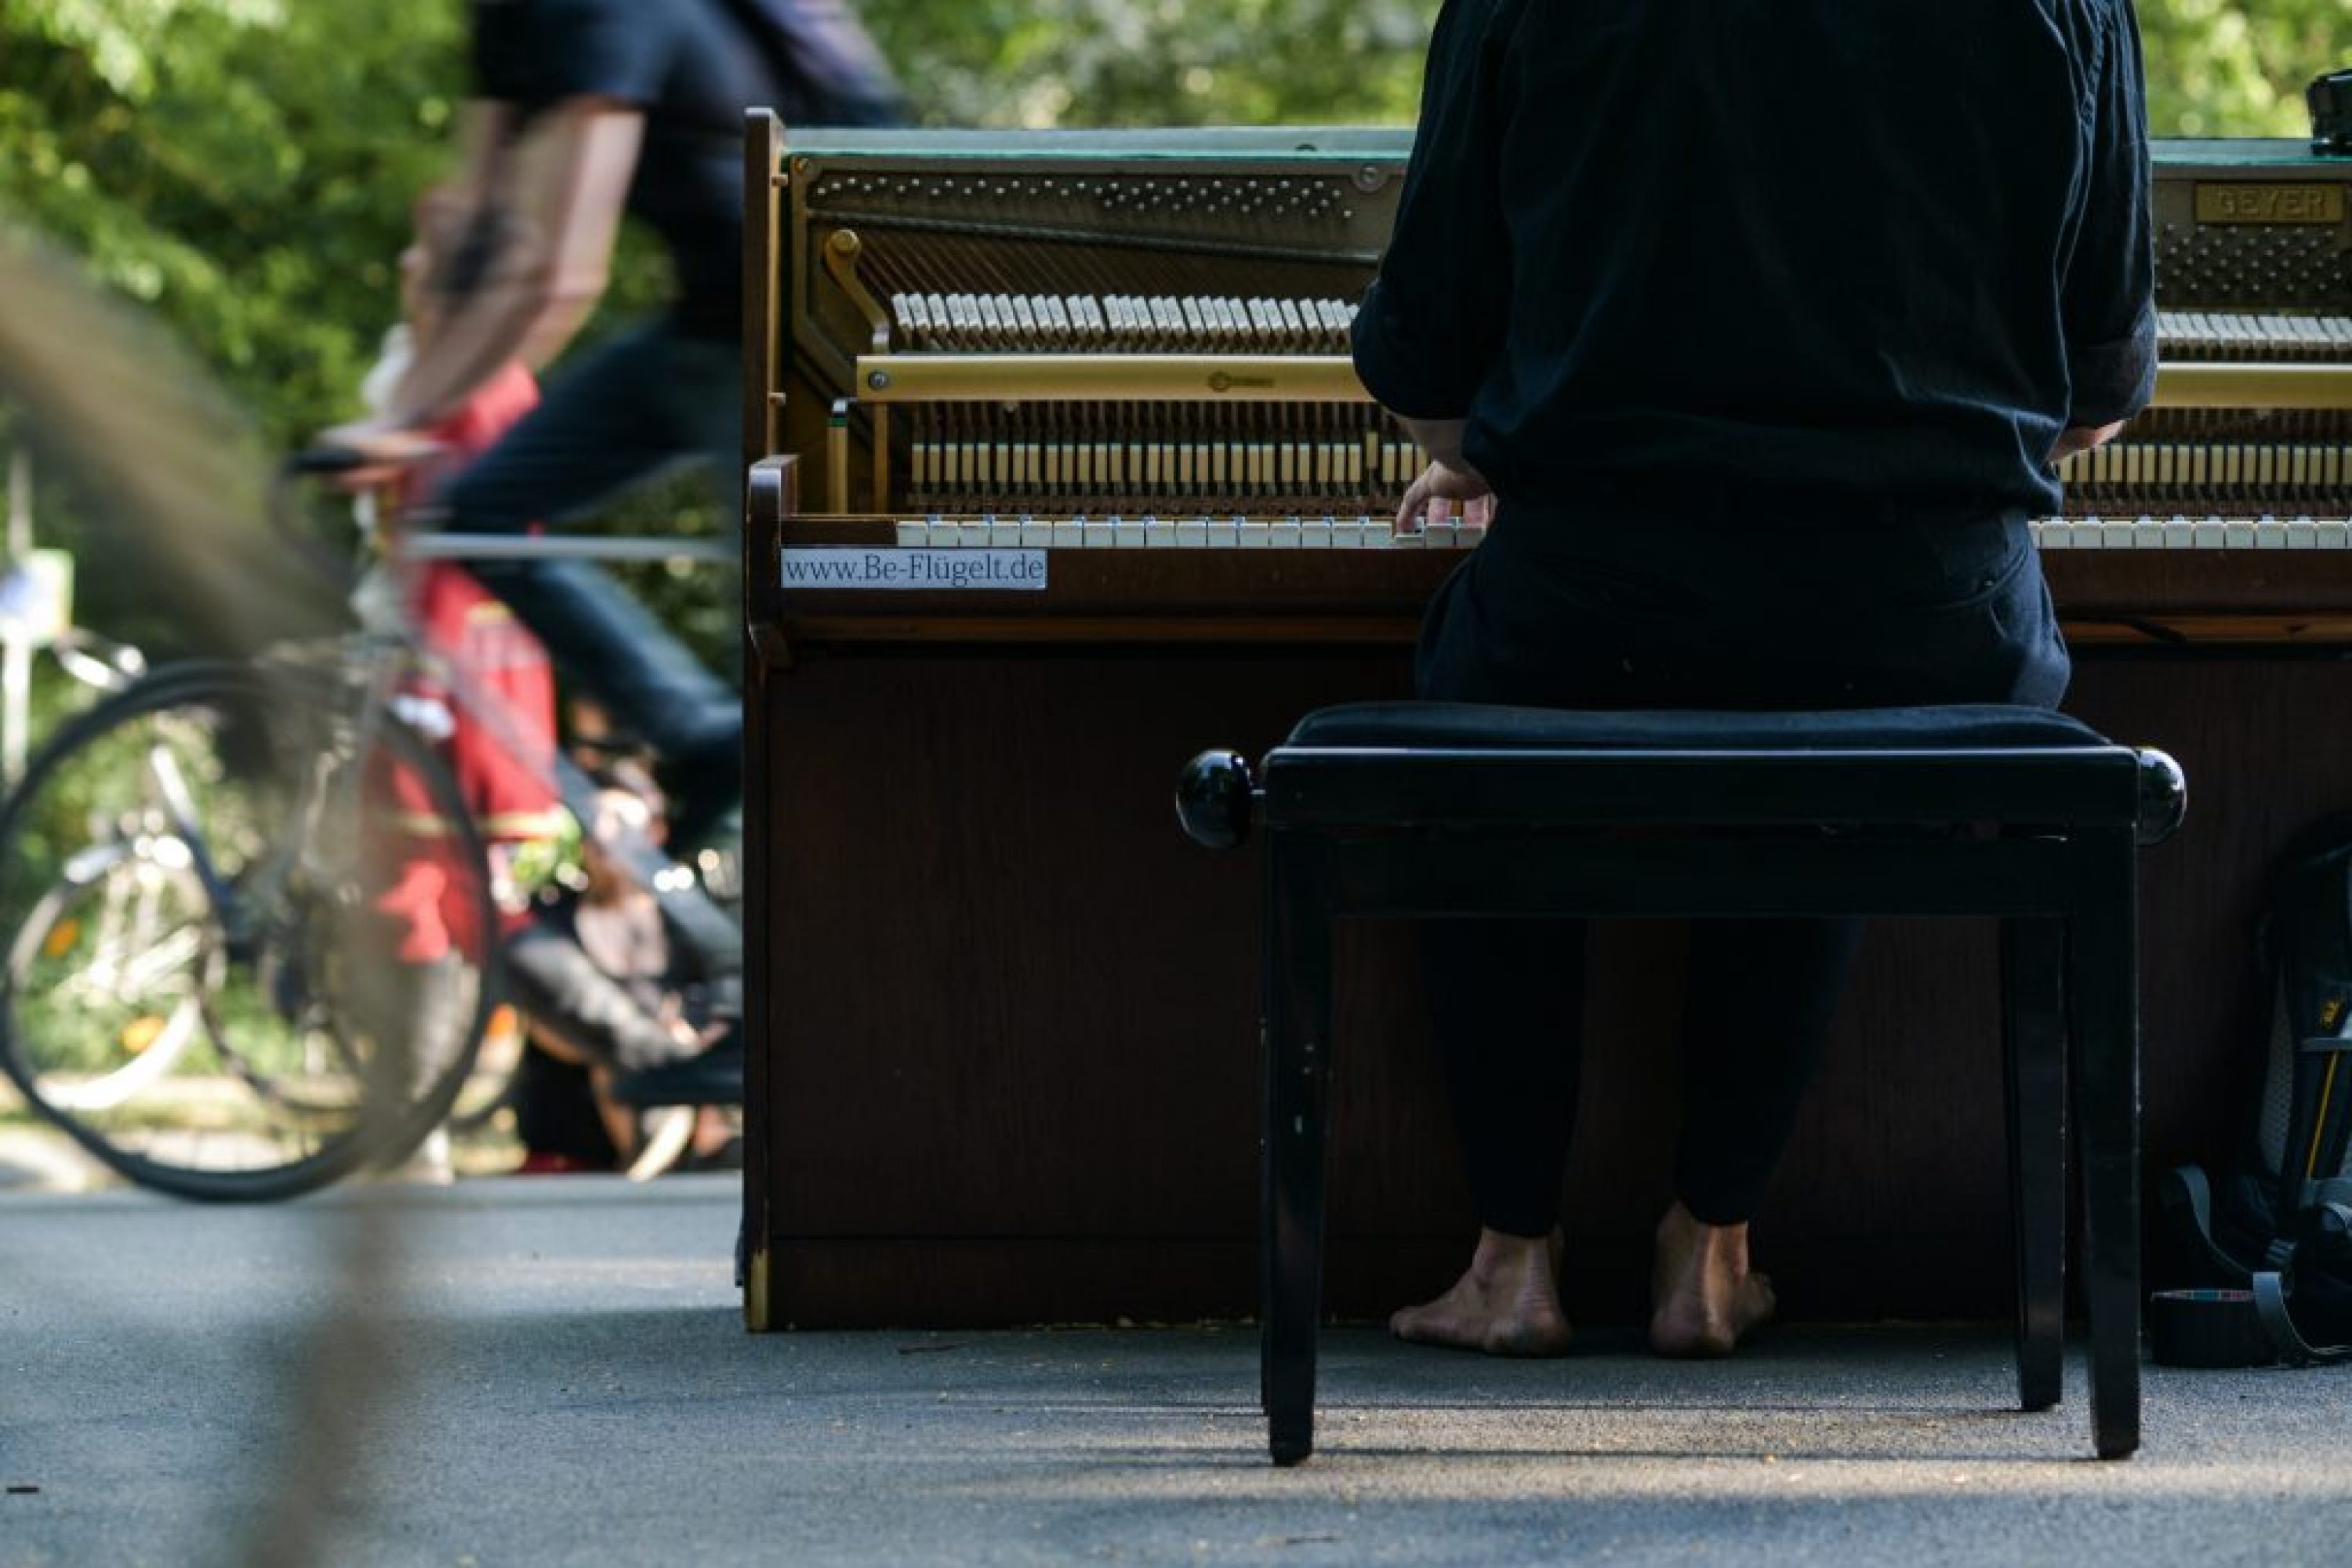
column 1507, row 1304
column 1704, row 1299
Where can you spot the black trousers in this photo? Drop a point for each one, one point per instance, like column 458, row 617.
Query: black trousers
column 1651, row 616
column 627, row 411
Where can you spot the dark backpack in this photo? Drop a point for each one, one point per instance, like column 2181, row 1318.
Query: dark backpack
column 826, row 70
column 2263, row 1254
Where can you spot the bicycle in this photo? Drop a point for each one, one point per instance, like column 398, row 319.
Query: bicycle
column 191, row 871
column 256, row 929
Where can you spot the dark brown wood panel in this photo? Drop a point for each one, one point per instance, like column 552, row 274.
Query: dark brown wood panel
column 1006, row 1027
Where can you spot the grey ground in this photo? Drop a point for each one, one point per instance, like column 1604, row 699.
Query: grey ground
column 571, row 1383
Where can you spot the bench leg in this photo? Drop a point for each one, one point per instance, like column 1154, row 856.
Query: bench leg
column 1298, row 1069
column 2033, row 1047
column 2102, row 985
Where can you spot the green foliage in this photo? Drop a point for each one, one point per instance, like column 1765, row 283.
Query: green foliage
column 2216, row 67
column 243, row 167
column 1156, row 62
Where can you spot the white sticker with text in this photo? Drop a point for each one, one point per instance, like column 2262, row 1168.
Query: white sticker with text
column 855, row 566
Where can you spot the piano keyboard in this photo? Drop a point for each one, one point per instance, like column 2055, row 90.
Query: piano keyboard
column 2245, row 334
column 2205, row 533
column 1142, row 323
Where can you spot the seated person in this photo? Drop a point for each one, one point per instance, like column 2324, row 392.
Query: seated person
column 604, row 989
column 1758, row 347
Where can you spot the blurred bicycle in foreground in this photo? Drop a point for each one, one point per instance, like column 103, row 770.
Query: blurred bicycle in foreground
column 250, row 933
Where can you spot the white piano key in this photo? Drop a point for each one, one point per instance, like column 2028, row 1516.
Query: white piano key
column 1070, row 533
column 1004, row 533
column 2237, row 533
column 2147, row 534
column 1253, row 534
column 1225, row 533
column 2208, row 534
column 2117, row 534
column 2301, row 535
column 1442, row 534
column 1036, row 534
column 1474, row 534
column 2270, row 534
column 1283, row 533
column 914, row 535
column 2179, row 534
column 2332, row 534
column 1347, row 534
column 1159, row 535
column 1315, row 533
column 2044, row 532
column 1193, row 533
column 972, row 535
column 996, row 318
column 1127, row 533
column 1097, row 534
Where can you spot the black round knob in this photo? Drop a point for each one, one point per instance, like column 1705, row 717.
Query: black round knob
column 1214, row 796
column 2163, row 796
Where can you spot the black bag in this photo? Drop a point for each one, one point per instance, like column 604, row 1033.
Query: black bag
column 2264, row 1253
column 826, row 68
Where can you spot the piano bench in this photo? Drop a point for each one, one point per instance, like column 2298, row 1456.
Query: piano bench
column 1433, row 810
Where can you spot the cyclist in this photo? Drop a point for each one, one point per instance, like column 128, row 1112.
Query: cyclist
column 586, row 110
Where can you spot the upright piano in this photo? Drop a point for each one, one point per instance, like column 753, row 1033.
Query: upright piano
column 1059, row 474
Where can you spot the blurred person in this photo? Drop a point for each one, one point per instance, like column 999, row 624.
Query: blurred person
column 1756, row 327
column 587, row 110
column 606, row 990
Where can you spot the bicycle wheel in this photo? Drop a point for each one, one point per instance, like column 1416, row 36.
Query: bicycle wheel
column 250, row 939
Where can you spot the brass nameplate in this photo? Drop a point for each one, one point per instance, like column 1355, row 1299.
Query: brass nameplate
column 2258, row 202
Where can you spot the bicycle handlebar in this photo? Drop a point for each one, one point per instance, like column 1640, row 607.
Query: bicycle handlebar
column 323, row 461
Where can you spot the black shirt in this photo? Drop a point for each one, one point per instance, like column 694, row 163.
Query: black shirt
column 1772, row 260
column 693, row 71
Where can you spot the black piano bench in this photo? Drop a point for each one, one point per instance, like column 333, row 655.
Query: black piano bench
column 1427, row 809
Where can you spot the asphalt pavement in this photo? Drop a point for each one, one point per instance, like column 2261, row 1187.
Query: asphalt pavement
column 555, row 1371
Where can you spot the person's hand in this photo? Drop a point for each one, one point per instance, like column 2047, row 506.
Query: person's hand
column 387, row 453
column 694, row 1040
column 2081, row 438
column 1441, row 491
